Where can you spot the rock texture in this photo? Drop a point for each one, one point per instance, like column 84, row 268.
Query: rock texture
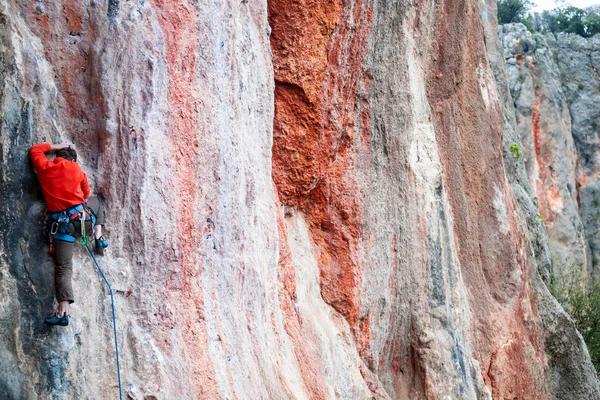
column 538, row 100
column 555, row 85
column 543, row 125
column 316, row 202
column 578, row 62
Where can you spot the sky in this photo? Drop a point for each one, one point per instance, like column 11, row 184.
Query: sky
column 550, row 4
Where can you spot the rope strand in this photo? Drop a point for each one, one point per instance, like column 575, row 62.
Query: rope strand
column 112, row 302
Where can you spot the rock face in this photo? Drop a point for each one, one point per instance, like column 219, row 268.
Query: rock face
column 536, row 121
column 579, row 62
column 317, row 201
column 543, row 125
column 555, row 85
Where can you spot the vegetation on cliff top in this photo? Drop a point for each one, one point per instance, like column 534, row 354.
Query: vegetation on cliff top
column 580, row 297
column 569, row 19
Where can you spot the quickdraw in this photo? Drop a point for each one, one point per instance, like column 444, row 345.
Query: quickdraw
column 135, row 138
column 83, row 239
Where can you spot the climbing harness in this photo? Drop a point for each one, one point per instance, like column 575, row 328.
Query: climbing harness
column 61, row 221
column 112, row 302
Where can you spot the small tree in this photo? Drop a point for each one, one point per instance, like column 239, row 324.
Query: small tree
column 534, row 22
column 592, row 21
column 570, row 19
column 584, row 22
column 513, row 10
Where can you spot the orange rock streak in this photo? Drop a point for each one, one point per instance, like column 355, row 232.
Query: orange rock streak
column 314, row 124
column 549, row 199
column 179, row 23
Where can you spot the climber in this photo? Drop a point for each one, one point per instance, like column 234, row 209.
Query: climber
column 66, row 189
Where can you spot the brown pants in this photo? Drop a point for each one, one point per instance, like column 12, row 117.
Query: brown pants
column 63, row 254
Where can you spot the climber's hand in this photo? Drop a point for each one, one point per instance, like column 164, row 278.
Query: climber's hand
column 60, row 146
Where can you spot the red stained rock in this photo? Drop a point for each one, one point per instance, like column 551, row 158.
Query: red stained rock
column 469, row 137
column 313, row 130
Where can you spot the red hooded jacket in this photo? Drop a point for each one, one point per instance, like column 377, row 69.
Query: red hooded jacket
column 63, row 182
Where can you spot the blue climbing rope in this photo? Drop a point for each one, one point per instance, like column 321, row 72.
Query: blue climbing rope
column 112, row 301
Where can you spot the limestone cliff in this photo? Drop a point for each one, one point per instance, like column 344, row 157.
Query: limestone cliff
column 319, row 203
column 554, row 84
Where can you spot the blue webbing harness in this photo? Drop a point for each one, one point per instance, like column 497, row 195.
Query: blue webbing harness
column 60, row 222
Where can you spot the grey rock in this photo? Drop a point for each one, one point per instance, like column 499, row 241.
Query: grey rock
column 536, row 88
column 543, row 123
column 589, row 200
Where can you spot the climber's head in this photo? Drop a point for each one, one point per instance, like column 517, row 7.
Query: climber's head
column 68, row 153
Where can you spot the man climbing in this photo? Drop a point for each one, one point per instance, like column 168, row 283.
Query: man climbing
column 66, row 189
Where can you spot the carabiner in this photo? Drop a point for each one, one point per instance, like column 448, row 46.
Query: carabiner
column 54, row 228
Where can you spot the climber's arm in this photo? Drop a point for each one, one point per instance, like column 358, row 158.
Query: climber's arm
column 38, row 158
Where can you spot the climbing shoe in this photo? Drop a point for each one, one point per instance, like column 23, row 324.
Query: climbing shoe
column 54, row 319
column 101, row 243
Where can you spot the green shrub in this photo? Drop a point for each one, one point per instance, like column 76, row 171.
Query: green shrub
column 580, row 297
column 515, row 149
column 539, row 219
